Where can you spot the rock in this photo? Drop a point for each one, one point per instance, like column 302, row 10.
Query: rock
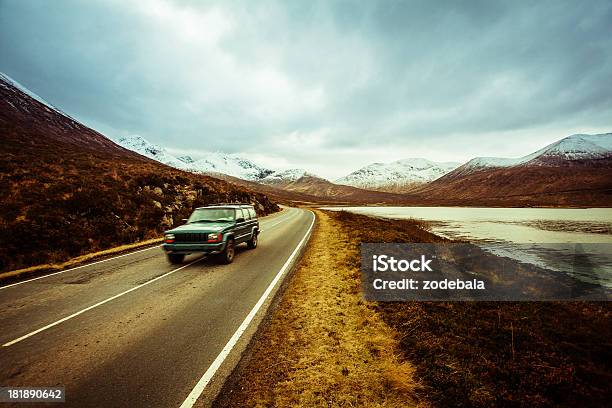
column 191, row 195
column 157, row 204
column 167, row 221
column 158, row 191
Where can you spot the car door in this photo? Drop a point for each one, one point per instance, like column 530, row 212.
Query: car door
column 254, row 220
column 241, row 234
column 251, row 221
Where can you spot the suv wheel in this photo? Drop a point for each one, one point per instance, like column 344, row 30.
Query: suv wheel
column 252, row 243
column 227, row 256
column 175, row 258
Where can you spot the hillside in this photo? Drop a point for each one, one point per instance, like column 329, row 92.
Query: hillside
column 68, row 190
column 301, row 182
column 575, row 171
column 273, row 192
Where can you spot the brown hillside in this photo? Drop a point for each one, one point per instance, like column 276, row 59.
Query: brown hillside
column 526, row 185
column 68, row 190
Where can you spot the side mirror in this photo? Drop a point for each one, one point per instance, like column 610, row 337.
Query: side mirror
column 184, row 219
column 240, row 219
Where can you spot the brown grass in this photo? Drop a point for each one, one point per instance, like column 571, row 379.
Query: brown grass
column 324, row 346
column 481, row 354
column 67, row 190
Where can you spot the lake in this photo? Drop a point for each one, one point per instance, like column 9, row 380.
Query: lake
column 554, row 235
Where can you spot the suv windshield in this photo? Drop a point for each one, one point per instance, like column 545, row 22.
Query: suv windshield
column 212, row 215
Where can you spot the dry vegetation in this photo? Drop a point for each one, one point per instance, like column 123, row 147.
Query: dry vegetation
column 496, row 353
column 62, row 207
column 323, row 345
column 67, row 190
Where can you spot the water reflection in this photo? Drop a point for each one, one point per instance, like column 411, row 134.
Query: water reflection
column 502, row 230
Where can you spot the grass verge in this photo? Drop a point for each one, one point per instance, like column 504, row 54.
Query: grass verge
column 323, row 346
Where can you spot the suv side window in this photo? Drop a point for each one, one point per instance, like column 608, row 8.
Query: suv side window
column 239, row 213
column 252, row 212
column 247, row 214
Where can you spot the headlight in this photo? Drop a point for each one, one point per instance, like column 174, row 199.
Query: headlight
column 169, row 238
column 214, row 237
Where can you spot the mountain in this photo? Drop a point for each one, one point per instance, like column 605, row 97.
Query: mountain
column 8, row 82
column 211, row 162
column 398, row 176
column 141, row 146
column 575, row 150
column 574, row 171
column 285, row 177
column 68, row 190
column 305, row 184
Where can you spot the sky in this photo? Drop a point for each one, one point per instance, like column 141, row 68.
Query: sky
column 328, row 86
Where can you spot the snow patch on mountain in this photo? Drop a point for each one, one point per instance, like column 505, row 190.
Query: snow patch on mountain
column 574, row 147
column 211, row 162
column 397, row 174
column 142, row 146
column 289, row 175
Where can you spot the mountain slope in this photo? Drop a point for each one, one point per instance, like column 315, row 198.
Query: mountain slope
column 68, row 190
column 301, row 182
column 286, row 177
column 576, row 171
column 575, row 150
column 216, row 162
column 399, row 176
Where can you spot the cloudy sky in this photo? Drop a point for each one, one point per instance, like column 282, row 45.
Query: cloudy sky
column 328, row 86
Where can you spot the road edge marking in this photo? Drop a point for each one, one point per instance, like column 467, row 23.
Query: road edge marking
column 78, row 267
column 25, row 336
column 216, row 364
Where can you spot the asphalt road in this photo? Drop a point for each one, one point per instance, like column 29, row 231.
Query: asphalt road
column 136, row 332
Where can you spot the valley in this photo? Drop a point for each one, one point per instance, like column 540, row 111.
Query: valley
column 576, row 171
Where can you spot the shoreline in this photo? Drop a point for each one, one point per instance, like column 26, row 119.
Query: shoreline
column 476, row 353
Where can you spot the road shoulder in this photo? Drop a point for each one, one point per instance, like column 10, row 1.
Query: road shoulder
column 323, row 344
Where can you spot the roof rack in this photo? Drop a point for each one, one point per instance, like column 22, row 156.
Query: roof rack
column 224, row 204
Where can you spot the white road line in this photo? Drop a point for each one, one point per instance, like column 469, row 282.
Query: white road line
column 17, row 340
column 10, row 343
column 116, row 257
column 77, row 267
column 210, row 372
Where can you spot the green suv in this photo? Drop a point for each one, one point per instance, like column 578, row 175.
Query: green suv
column 215, row 229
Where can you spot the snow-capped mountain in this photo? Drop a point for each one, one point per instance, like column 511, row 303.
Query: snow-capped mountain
column 568, row 151
column 574, row 171
column 212, row 162
column 140, row 145
column 231, row 165
column 397, row 176
column 573, row 148
column 286, row 176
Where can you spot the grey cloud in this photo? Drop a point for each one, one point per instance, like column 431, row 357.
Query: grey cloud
column 349, row 74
